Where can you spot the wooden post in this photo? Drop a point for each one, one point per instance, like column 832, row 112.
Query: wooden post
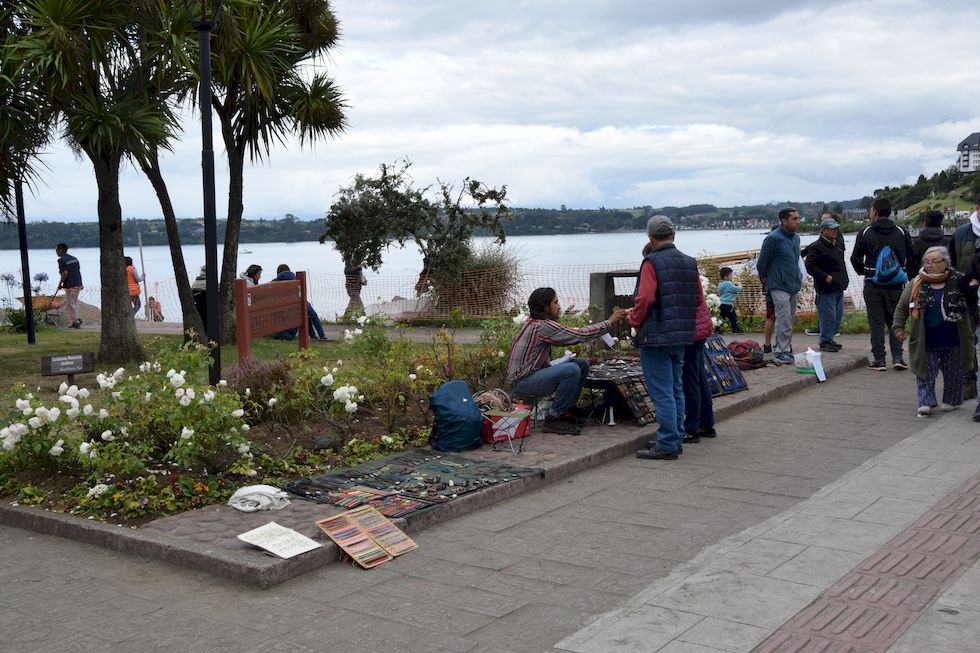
column 304, row 331
column 242, row 323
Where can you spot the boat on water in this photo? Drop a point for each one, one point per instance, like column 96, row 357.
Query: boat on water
column 244, row 251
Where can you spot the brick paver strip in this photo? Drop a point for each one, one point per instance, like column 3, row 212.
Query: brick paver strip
column 867, row 610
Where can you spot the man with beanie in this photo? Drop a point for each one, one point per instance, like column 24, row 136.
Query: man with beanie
column 880, row 299
column 825, row 263
column 664, row 315
column 931, row 235
column 779, row 271
column 963, row 252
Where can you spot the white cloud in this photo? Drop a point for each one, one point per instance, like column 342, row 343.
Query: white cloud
column 613, row 103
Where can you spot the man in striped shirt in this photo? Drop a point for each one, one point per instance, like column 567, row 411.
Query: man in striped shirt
column 530, row 372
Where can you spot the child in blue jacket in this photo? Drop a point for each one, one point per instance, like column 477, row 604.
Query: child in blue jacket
column 726, row 293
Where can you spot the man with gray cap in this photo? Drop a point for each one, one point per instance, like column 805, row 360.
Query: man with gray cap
column 825, row 263
column 664, row 313
column 779, row 270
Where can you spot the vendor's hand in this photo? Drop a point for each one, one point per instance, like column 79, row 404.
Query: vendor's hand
column 975, row 282
column 900, row 335
column 829, row 279
column 617, row 315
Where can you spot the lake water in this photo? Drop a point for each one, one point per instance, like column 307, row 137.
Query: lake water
column 549, row 260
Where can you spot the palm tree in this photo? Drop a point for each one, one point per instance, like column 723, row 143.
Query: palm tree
column 86, row 60
column 261, row 96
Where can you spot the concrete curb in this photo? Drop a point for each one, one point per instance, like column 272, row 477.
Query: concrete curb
column 252, row 567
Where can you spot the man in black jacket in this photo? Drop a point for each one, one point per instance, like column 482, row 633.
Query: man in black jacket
column 825, row 263
column 880, row 300
column 932, row 235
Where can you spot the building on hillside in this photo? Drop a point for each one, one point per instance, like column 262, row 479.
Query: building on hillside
column 969, row 149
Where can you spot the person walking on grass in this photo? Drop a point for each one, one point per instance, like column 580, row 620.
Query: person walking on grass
column 825, row 263
column 779, row 271
column 881, row 296
column 940, row 337
column 71, row 281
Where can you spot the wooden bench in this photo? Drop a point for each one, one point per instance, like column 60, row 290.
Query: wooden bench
column 270, row 308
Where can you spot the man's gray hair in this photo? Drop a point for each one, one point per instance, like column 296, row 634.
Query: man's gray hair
column 659, row 227
column 942, row 251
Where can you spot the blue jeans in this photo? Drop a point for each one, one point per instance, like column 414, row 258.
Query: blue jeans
column 830, row 314
column 566, row 380
column 699, row 412
column 663, row 371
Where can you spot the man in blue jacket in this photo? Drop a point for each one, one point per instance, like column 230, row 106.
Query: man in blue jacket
column 779, row 272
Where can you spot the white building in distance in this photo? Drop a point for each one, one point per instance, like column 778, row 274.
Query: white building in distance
column 969, row 149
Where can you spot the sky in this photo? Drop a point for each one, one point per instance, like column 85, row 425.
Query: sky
column 614, row 103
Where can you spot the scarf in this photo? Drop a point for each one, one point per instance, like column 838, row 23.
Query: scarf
column 953, row 305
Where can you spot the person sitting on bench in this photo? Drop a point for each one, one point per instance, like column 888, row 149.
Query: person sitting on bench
column 529, row 371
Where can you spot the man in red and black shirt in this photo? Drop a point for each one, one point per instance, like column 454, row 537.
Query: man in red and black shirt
column 530, row 372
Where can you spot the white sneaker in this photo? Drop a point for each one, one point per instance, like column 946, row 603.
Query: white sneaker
column 947, row 408
column 925, row 411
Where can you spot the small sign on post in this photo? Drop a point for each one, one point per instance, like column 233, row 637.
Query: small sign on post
column 68, row 364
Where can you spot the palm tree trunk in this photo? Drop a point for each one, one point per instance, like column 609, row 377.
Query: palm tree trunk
column 233, row 229
column 119, row 343
column 191, row 318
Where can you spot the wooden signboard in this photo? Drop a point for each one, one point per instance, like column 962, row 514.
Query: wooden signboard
column 270, row 308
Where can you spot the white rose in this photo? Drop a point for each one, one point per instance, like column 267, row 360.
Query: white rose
column 361, row 320
column 272, row 402
column 34, row 422
column 186, row 433
column 237, row 412
column 243, row 448
column 222, row 383
column 107, row 436
column 103, row 413
column 351, row 407
column 185, row 400
column 327, row 380
column 63, row 388
column 72, row 412
column 84, row 447
column 413, row 376
column 117, row 396
column 252, row 472
column 88, row 409
column 54, row 414
column 387, row 439
column 41, row 412
column 83, row 393
column 245, row 427
column 191, row 393
column 176, row 380
column 57, row 449
column 22, row 404
column 179, row 392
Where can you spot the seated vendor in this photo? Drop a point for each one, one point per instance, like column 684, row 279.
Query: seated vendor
column 530, row 372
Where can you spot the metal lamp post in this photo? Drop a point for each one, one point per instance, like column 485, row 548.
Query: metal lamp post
column 204, row 26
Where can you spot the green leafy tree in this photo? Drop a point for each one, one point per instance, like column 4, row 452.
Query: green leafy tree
column 87, row 61
column 264, row 94
column 372, row 213
column 444, row 236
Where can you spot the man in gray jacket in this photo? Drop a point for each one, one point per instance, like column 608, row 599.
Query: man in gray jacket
column 779, row 271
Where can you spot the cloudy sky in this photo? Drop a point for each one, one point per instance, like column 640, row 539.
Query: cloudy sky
column 614, row 103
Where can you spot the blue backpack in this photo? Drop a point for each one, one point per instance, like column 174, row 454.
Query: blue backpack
column 458, row 420
column 888, row 269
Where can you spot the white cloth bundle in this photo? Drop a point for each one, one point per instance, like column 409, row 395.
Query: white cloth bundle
column 253, row 498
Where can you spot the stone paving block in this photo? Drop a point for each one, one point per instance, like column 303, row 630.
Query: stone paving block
column 785, row 642
column 278, row 645
column 757, row 557
column 679, row 646
column 727, row 636
column 448, row 616
column 831, row 533
column 860, row 625
column 964, row 592
column 949, row 522
column 756, row 601
column 941, row 631
column 952, row 545
column 646, row 629
column 893, row 512
column 554, row 571
column 534, row 627
column 911, row 565
column 885, row 592
column 843, row 505
column 817, row 566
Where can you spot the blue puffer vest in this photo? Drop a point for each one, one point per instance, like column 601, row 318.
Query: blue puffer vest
column 673, row 314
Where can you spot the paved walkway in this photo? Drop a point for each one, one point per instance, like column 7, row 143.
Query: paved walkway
column 621, row 557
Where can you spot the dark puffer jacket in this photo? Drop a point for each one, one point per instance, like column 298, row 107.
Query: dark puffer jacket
column 824, row 259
